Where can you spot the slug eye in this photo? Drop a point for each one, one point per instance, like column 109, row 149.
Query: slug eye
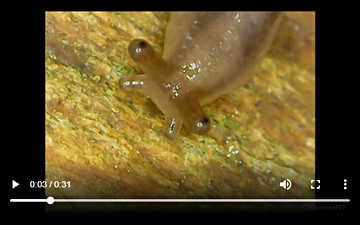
column 204, row 120
column 142, row 44
column 201, row 125
column 139, row 49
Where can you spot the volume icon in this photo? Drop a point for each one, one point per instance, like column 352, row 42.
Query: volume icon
column 286, row 184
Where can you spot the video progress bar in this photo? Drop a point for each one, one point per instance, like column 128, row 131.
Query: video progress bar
column 50, row 200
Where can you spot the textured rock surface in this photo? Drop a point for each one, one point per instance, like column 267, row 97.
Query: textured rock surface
column 109, row 143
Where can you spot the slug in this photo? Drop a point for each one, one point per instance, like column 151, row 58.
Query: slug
column 206, row 55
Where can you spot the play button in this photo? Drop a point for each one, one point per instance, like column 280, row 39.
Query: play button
column 14, row 184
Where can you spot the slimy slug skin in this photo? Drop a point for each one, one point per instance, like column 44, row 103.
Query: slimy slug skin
column 206, row 55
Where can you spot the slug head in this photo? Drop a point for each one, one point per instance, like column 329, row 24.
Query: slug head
column 184, row 108
column 194, row 117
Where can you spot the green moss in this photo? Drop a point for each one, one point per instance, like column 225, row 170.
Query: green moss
column 119, row 68
column 96, row 78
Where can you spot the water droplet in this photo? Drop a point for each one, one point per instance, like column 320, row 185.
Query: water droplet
column 195, row 25
column 175, row 90
column 231, row 148
column 183, row 180
column 190, row 77
column 192, row 65
column 167, row 85
column 137, row 83
column 127, row 83
column 189, row 36
column 172, row 126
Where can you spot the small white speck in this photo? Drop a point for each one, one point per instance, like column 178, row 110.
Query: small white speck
column 189, row 36
column 310, row 142
column 190, row 77
column 195, row 24
column 49, row 138
column 237, row 17
column 231, row 148
column 185, row 162
column 138, row 50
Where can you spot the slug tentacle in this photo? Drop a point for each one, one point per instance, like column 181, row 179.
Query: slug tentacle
column 194, row 117
column 172, row 127
column 147, row 58
column 133, row 83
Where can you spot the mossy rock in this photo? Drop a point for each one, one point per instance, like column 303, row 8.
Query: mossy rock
column 109, row 143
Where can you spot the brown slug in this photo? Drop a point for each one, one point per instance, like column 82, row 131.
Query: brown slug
column 206, row 55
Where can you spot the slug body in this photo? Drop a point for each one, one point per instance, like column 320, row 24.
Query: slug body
column 206, row 55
